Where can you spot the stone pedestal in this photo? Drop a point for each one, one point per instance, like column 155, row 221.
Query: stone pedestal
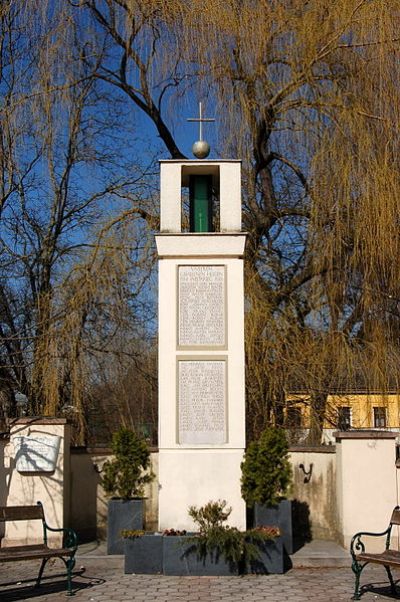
column 201, row 350
column 38, row 460
column 366, row 484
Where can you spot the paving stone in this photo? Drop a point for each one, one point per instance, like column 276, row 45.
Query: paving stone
column 104, row 581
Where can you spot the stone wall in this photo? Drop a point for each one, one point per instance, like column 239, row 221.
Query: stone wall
column 319, row 498
column 314, row 489
column 313, row 493
column 88, row 502
column 366, row 490
column 23, row 482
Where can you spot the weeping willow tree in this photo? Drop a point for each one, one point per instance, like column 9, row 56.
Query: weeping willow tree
column 307, row 94
column 75, row 254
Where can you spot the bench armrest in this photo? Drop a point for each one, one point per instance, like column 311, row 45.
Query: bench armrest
column 357, row 546
column 70, row 538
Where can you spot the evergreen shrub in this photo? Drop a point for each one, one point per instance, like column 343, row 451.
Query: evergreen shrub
column 266, row 470
column 124, row 476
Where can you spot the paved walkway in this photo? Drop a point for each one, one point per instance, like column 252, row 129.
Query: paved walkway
column 99, row 578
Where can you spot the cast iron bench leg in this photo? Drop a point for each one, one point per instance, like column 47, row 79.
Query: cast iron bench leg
column 392, row 585
column 357, row 568
column 70, row 563
column 44, row 562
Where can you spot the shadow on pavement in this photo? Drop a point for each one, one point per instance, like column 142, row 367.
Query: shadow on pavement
column 25, row 588
column 380, row 589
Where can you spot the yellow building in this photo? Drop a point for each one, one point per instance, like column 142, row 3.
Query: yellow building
column 357, row 410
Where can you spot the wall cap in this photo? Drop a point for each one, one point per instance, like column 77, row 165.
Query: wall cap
column 317, row 449
column 100, row 451
column 365, row 434
column 200, row 162
column 36, row 420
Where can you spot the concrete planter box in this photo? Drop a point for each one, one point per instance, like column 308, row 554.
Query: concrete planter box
column 180, row 558
column 271, row 558
column 144, row 554
column 122, row 514
column 279, row 516
column 176, row 555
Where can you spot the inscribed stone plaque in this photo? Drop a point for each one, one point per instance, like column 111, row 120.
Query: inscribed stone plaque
column 36, row 453
column 201, row 302
column 202, row 402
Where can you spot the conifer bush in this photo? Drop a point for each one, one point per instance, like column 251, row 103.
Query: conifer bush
column 125, row 476
column 266, row 470
column 215, row 539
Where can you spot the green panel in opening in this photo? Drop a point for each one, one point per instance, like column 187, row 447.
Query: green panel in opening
column 200, row 196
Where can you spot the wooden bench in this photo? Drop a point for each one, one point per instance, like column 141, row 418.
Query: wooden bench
column 388, row 558
column 42, row 550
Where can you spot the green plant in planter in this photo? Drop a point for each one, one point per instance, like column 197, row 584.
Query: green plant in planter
column 125, row 476
column 213, row 514
column 216, row 539
column 266, row 470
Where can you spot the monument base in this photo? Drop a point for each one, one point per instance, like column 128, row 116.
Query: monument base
column 193, row 477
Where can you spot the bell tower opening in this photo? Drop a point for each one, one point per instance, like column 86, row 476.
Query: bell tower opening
column 200, row 203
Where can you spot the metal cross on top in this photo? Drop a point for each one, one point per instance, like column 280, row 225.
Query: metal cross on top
column 201, row 120
column 201, row 148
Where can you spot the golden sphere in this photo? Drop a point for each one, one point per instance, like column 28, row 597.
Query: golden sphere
column 201, row 149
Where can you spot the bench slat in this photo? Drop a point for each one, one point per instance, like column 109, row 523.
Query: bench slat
column 31, row 552
column 14, row 513
column 389, row 557
column 28, row 548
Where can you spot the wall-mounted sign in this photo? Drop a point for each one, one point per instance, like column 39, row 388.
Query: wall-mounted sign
column 202, row 414
column 36, row 453
column 202, row 306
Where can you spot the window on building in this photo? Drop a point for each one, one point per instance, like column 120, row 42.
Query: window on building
column 380, row 418
column 293, row 418
column 344, row 418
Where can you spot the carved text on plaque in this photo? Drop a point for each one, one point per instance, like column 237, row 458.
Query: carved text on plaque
column 202, row 402
column 201, row 302
column 36, row 453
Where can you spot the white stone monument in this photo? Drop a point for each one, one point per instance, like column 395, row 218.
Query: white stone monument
column 201, row 341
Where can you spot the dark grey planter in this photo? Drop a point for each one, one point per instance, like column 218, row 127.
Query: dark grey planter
column 144, row 554
column 271, row 558
column 176, row 555
column 277, row 516
column 180, row 558
column 122, row 514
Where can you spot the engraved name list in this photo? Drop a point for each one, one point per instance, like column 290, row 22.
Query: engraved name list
column 202, row 403
column 201, row 306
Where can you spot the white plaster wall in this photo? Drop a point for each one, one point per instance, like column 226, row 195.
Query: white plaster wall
column 316, row 493
column 174, row 174
column 52, row 489
column 169, row 355
column 170, row 190
column 196, row 474
column 88, row 503
column 195, row 477
column 366, row 487
column 198, row 245
column 4, row 473
column 88, row 500
column 230, row 198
